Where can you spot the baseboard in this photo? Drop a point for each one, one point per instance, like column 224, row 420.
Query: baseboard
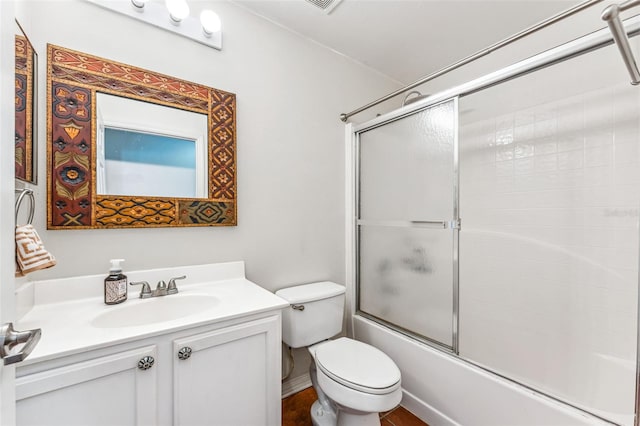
column 424, row 411
column 295, row 385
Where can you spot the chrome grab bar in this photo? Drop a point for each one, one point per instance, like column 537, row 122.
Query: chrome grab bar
column 612, row 16
column 9, row 338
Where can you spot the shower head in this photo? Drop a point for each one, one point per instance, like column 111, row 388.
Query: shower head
column 408, row 100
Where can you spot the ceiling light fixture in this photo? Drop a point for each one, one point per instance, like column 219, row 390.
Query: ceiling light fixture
column 170, row 15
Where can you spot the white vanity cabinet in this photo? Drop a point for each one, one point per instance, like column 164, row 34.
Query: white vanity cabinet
column 219, row 374
column 107, row 390
column 229, row 376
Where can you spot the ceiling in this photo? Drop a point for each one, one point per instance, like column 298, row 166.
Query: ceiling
column 407, row 39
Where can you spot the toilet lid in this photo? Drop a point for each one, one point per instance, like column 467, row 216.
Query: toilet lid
column 358, row 365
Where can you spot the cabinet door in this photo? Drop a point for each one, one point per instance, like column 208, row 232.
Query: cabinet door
column 110, row 390
column 231, row 377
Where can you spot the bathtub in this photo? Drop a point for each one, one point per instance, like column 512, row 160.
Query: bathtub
column 445, row 391
column 618, row 373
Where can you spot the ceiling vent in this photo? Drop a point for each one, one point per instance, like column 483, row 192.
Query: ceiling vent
column 326, row 5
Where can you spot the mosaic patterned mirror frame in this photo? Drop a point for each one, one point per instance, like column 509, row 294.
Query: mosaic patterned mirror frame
column 25, row 107
column 73, row 80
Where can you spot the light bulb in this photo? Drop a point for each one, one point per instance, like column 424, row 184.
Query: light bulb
column 139, row 5
column 210, row 22
column 178, row 10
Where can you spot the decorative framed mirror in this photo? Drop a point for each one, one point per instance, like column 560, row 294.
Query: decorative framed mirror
column 26, row 61
column 128, row 147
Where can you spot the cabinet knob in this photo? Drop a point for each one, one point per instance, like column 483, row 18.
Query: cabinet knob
column 146, row 362
column 184, row 353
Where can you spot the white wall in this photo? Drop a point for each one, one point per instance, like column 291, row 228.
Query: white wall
column 290, row 157
column 290, row 92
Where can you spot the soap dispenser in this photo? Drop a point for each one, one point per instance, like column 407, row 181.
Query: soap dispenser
column 115, row 285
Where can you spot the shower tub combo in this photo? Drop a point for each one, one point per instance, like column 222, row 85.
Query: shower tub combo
column 493, row 249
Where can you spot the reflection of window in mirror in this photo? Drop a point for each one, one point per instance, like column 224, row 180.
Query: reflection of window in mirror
column 138, row 163
column 146, row 149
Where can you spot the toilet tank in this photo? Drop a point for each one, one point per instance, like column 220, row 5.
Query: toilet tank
column 314, row 314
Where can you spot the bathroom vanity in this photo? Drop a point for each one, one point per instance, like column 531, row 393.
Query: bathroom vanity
column 210, row 354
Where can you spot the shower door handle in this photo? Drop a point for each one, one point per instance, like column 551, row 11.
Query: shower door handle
column 431, row 223
column 453, row 224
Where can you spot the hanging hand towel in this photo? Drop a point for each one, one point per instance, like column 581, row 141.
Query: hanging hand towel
column 30, row 252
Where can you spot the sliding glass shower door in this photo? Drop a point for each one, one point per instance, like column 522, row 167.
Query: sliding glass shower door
column 407, row 223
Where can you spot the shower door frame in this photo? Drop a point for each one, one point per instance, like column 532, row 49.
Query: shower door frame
column 583, row 45
column 453, row 224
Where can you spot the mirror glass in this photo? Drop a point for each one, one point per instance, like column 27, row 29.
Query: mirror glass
column 148, row 149
column 25, row 108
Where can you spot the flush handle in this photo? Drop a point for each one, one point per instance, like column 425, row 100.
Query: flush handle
column 9, row 338
column 298, row 307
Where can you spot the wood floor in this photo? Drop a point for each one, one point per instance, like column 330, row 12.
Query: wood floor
column 296, row 412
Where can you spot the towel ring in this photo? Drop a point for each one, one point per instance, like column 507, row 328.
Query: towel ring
column 32, row 203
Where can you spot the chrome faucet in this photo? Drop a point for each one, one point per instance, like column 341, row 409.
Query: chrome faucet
column 162, row 289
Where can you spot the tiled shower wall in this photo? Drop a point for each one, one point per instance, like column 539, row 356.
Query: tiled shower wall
column 549, row 201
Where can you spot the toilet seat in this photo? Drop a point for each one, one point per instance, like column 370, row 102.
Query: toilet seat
column 358, row 366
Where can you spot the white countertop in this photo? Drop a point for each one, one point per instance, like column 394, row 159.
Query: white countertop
column 67, row 324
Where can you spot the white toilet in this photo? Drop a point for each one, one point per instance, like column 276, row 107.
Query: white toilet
column 354, row 381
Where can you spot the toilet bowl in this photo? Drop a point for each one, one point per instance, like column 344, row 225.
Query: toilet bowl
column 354, row 381
column 359, row 381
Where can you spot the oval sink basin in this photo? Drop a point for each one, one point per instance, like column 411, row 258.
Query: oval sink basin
column 155, row 310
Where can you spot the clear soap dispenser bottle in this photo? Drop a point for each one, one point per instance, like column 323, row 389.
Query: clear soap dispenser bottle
column 115, row 285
